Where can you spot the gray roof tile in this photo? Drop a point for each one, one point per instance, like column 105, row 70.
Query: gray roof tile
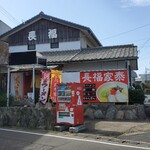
column 91, row 54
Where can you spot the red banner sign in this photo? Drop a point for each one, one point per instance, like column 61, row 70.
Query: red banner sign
column 44, row 86
column 109, row 86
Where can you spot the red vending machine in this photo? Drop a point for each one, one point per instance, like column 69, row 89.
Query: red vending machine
column 69, row 104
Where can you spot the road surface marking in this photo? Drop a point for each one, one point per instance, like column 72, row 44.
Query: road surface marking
column 76, row 139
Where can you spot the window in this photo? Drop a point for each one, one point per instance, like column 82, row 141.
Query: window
column 54, row 45
column 31, row 46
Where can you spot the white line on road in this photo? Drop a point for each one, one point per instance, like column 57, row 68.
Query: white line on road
column 77, row 139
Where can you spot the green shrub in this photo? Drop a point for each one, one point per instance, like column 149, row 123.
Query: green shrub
column 3, row 99
column 136, row 96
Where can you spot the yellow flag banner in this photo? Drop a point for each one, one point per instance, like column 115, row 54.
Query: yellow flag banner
column 56, row 77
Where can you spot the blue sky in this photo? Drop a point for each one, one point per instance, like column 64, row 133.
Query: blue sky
column 114, row 22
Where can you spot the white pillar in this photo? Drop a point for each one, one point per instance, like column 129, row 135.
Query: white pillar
column 8, row 86
column 33, row 79
column 128, row 69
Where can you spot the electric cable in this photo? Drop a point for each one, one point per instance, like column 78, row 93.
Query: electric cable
column 125, row 32
column 144, row 44
column 8, row 15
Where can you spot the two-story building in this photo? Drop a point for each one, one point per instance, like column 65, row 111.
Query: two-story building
column 69, row 46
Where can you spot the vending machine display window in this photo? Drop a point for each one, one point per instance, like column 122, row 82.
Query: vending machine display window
column 64, row 93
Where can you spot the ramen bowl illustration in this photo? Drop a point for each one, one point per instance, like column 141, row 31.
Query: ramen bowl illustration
column 112, row 92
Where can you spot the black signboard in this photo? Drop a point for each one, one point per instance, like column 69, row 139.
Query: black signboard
column 42, row 61
column 25, row 58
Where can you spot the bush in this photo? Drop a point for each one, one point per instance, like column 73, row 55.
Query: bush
column 136, row 96
column 3, row 99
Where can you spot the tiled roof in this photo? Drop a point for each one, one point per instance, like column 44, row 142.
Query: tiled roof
column 60, row 56
column 121, row 52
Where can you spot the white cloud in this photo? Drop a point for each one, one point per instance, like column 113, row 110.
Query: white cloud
column 129, row 3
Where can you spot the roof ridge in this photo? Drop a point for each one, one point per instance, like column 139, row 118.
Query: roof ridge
column 123, row 45
column 43, row 15
column 61, row 51
column 55, row 19
column 113, row 46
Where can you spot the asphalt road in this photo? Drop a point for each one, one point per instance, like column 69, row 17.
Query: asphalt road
column 23, row 140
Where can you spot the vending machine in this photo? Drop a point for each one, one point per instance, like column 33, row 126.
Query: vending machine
column 69, row 104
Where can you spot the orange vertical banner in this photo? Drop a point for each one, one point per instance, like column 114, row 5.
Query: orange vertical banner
column 56, row 77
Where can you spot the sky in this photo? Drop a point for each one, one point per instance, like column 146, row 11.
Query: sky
column 114, row 22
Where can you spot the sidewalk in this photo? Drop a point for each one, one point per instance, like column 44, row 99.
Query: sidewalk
column 133, row 132
column 116, row 128
column 122, row 132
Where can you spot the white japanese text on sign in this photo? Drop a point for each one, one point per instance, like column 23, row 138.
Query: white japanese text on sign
column 52, row 33
column 104, row 76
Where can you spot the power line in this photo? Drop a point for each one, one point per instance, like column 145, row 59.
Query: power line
column 8, row 15
column 138, row 40
column 125, row 32
column 147, row 54
column 144, row 44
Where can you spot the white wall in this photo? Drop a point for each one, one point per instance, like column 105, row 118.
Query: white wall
column 85, row 41
column 3, row 27
column 46, row 47
column 93, row 66
column 13, row 49
column 70, row 77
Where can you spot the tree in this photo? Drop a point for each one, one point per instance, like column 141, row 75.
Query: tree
column 3, row 62
column 3, row 53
